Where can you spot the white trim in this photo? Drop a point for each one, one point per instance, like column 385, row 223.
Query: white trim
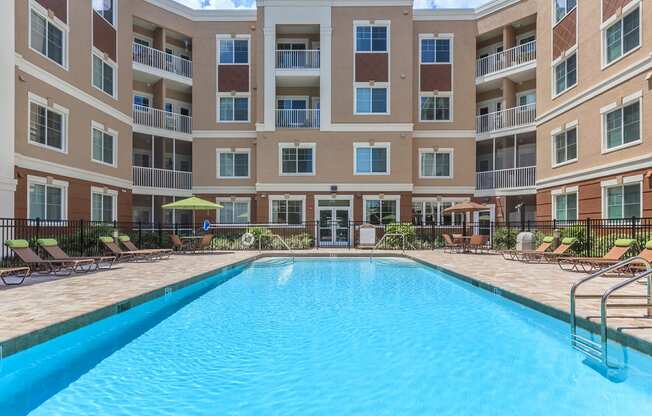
column 376, row 23
column 341, row 187
column 384, row 145
column 556, row 21
column 55, row 108
column 240, row 150
column 442, row 94
column 63, row 185
column 619, row 19
column 312, row 146
column 565, row 193
column 440, row 36
column 221, row 15
column 104, row 58
column 372, row 127
column 233, row 200
column 55, row 21
column 444, row 134
column 105, row 192
column 569, row 126
column 41, row 165
column 153, row 191
column 221, row 36
column 44, row 76
column 611, row 184
column 563, row 60
column 396, row 198
column 224, row 134
column 115, row 15
column 444, row 190
column 376, row 86
column 221, row 95
column 604, row 115
column 102, row 128
column 425, row 150
column 273, row 198
column 223, row 190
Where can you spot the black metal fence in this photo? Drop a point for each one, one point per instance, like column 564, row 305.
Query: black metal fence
column 81, row 238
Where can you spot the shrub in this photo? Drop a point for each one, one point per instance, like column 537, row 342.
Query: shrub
column 406, row 230
column 578, row 231
column 505, row 238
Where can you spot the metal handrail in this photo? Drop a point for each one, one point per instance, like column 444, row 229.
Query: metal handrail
column 392, row 235
column 274, row 236
column 605, row 297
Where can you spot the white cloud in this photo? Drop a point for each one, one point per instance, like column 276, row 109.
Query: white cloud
column 418, row 4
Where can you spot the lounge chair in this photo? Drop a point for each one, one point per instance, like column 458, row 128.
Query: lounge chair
column 478, row 243
column 157, row 252
column 516, row 254
column 51, row 246
column 591, row 264
column 178, row 244
column 40, row 266
column 452, row 246
column 206, row 243
column 16, row 272
column 121, row 255
column 550, row 256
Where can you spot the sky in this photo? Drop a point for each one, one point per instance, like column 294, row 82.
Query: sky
column 245, row 4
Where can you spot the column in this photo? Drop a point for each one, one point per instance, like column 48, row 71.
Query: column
column 509, row 39
column 7, row 109
column 160, row 39
column 509, row 94
column 326, row 34
column 270, row 78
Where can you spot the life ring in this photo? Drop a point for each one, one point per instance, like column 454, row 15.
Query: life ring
column 248, row 240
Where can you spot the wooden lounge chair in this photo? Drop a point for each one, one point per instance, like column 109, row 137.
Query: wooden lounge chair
column 450, row 245
column 20, row 273
column 515, row 254
column 591, row 264
column 113, row 248
column 178, row 244
column 478, row 243
column 549, row 256
column 206, row 243
column 39, row 266
column 157, row 252
column 51, row 246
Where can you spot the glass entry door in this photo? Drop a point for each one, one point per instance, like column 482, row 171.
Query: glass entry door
column 334, row 229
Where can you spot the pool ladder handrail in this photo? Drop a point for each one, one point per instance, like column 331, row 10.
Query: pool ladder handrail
column 392, row 235
column 590, row 347
column 276, row 236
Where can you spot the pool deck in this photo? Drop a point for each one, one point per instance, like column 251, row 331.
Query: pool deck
column 43, row 307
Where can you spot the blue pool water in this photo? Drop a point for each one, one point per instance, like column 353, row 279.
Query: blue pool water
column 322, row 337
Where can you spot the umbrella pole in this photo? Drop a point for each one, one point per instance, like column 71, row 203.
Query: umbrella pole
column 193, row 222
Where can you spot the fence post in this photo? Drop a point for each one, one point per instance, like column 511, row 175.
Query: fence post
column 38, row 228
column 160, row 235
column 82, row 248
column 633, row 236
column 588, row 249
column 464, row 225
column 140, row 235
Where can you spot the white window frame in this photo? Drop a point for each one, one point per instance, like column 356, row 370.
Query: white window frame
column 614, row 183
column 451, row 105
column 240, row 150
column 626, row 101
column 312, row 146
column 114, row 201
column 556, row 21
column 360, row 145
column 301, row 198
column 236, row 95
column 380, row 198
column 105, row 130
column 553, row 143
column 62, row 111
column 238, row 200
column 439, row 202
column 448, row 150
column 375, row 23
column 574, row 190
column 109, row 62
column 376, row 85
column 115, row 13
column 221, row 37
column 65, row 29
column 441, row 36
column 63, row 185
column 562, row 60
column 614, row 20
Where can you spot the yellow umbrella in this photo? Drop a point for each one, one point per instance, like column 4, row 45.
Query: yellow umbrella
column 464, row 207
column 193, row 204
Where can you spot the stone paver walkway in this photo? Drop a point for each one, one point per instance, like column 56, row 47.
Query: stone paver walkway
column 32, row 313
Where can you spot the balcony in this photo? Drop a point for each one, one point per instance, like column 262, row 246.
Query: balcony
column 510, row 120
column 162, row 178
column 161, row 63
column 297, row 59
column 157, row 121
column 506, row 179
column 297, row 119
column 517, row 63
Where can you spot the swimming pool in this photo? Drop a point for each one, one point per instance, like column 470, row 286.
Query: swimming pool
column 322, row 337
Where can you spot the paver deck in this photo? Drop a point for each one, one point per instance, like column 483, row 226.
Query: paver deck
column 43, row 303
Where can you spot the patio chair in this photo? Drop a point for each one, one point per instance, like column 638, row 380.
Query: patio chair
column 452, row 246
column 549, row 256
column 111, row 246
column 15, row 272
column 157, row 252
column 478, row 243
column 178, row 244
column 590, row 264
column 514, row 254
column 206, row 243
column 51, row 246
column 39, row 266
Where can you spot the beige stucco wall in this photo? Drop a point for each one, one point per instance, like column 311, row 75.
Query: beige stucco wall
column 463, row 161
column 510, row 14
column 204, row 161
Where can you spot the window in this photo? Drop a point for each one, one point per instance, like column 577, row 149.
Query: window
column 563, row 7
column 46, row 202
column 566, row 207
column 623, row 201
column 234, row 51
column 105, row 8
column 141, row 101
column 103, row 75
column 371, row 100
column 372, row 160
column 381, row 211
column 436, row 164
column 103, row 146
column 566, row 74
column 46, row 37
column 565, row 146
column 233, row 164
column 623, row 126
column 234, row 212
column 141, row 42
column 435, row 51
column 286, row 211
column 234, row 109
column 435, row 108
column 622, row 36
column 103, row 206
column 430, row 212
column 371, row 38
column 297, row 160
column 47, row 127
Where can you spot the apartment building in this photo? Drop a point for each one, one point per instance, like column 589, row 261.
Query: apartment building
column 331, row 110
